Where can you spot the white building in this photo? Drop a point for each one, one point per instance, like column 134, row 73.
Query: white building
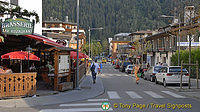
column 30, row 5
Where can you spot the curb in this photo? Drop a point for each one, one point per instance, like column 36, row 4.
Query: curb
column 64, row 97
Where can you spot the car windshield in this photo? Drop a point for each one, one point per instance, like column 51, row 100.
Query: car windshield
column 156, row 69
column 176, row 69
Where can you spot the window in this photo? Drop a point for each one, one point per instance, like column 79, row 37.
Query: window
column 14, row 2
column 176, row 69
column 156, row 69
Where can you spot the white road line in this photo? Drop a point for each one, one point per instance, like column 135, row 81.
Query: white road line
column 97, row 100
column 113, row 95
column 75, row 110
column 154, row 95
column 80, row 104
column 173, row 94
column 133, row 94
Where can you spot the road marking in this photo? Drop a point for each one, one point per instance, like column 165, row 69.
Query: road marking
column 75, row 110
column 80, row 104
column 133, row 94
column 173, row 94
column 97, row 100
column 113, row 95
column 154, row 95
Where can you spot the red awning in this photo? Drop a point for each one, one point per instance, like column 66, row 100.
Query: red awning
column 73, row 55
column 44, row 40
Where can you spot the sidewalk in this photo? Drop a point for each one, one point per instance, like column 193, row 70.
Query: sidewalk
column 88, row 90
column 193, row 92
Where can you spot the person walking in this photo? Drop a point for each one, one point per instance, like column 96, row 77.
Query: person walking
column 100, row 69
column 94, row 70
column 137, row 67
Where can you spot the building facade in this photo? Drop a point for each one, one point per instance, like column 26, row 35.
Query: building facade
column 64, row 32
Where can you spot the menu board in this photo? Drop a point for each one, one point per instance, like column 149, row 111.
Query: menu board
column 63, row 65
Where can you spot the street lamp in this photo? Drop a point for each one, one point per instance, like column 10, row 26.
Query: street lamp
column 91, row 46
column 77, row 49
column 100, row 28
column 29, row 49
column 179, row 22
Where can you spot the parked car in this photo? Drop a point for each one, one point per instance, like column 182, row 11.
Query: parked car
column 171, row 75
column 150, row 74
column 129, row 69
column 123, row 66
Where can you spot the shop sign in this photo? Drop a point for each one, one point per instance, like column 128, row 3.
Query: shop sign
column 187, row 44
column 18, row 26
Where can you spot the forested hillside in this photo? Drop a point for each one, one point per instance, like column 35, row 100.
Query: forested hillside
column 115, row 16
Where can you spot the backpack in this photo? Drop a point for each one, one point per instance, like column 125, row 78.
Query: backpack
column 93, row 67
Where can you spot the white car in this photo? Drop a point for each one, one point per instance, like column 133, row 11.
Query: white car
column 129, row 69
column 171, row 75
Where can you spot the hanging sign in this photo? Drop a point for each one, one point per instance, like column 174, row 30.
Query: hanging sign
column 18, row 26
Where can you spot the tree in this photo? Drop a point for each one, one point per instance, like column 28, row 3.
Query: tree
column 17, row 11
column 139, row 48
column 96, row 48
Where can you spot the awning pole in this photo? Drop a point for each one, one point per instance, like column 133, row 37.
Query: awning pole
column 21, row 66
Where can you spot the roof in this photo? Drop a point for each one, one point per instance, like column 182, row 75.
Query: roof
column 141, row 32
column 50, row 29
column 44, row 39
column 123, row 34
column 60, row 22
column 52, row 22
column 62, row 48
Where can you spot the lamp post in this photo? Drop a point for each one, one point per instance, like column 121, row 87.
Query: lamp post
column 29, row 49
column 178, row 38
column 100, row 28
column 77, row 49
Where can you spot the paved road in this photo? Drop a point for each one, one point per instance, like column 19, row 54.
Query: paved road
column 124, row 94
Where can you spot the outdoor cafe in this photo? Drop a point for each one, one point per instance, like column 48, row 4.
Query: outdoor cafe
column 31, row 62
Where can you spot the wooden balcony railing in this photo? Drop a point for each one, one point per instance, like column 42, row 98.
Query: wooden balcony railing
column 17, row 84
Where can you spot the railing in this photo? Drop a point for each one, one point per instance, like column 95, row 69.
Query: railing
column 82, row 71
column 17, row 84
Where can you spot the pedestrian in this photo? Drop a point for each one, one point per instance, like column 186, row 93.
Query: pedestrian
column 100, row 69
column 148, row 65
column 137, row 67
column 94, row 69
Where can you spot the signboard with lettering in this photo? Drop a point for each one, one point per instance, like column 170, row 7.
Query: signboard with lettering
column 187, row 44
column 18, row 26
column 63, row 63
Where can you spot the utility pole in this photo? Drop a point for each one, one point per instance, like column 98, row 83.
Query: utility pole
column 179, row 39
column 77, row 49
column 89, row 40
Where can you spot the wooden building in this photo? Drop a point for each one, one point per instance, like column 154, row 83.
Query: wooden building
column 65, row 31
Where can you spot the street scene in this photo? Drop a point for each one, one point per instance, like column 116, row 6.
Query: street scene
column 99, row 56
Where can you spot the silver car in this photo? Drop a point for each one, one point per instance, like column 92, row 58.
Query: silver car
column 171, row 75
column 151, row 72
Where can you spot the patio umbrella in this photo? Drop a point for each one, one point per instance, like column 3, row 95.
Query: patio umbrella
column 73, row 55
column 20, row 55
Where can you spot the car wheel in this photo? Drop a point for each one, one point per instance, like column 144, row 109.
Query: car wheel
column 151, row 78
column 156, row 81
column 164, row 83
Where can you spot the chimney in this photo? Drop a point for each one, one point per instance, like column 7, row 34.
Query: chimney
column 66, row 18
